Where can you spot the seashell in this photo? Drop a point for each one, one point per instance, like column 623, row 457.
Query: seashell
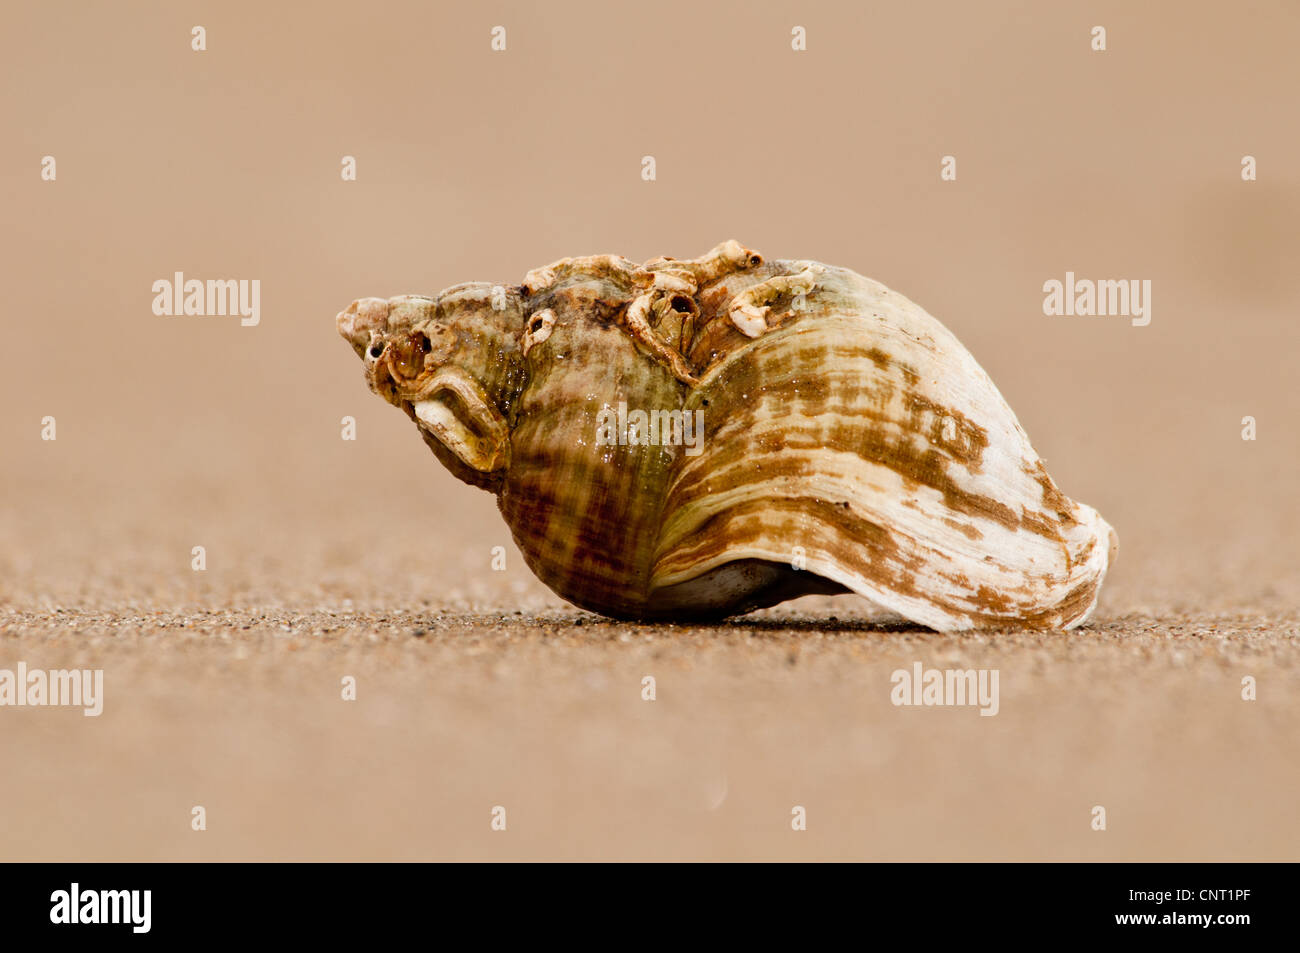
column 699, row 438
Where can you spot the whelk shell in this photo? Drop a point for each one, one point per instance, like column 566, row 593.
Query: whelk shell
column 849, row 442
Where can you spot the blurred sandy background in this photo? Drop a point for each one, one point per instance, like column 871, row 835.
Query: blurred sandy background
column 476, row 688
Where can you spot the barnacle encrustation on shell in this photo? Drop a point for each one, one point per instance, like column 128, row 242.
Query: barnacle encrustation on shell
column 699, row 438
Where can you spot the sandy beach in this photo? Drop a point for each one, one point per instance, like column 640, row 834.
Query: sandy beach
column 326, row 560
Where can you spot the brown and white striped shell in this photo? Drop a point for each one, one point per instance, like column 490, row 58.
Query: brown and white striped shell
column 849, row 442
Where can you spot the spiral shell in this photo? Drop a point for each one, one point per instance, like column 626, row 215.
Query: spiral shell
column 706, row 437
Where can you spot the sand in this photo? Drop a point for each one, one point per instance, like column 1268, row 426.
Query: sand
column 241, row 712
